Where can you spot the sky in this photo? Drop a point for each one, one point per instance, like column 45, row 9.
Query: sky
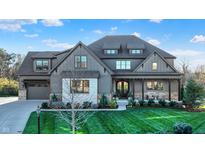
column 185, row 39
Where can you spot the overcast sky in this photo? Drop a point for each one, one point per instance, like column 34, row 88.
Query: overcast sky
column 183, row 38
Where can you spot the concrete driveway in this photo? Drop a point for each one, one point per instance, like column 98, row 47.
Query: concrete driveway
column 14, row 115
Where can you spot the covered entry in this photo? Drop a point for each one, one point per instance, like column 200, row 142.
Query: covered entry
column 37, row 90
column 122, row 88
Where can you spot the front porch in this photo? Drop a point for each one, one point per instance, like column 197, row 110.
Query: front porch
column 147, row 88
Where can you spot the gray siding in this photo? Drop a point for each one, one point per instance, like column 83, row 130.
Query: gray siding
column 111, row 63
column 161, row 65
column 104, row 82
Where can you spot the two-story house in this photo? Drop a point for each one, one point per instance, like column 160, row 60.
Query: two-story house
column 119, row 64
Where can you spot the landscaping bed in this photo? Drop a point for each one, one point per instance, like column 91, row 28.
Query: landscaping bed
column 132, row 121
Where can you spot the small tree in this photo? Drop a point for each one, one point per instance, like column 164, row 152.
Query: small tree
column 76, row 117
column 182, row 93
column 193, row 92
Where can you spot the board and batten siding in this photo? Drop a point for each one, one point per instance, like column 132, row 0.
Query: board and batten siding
column 80, row 97
column 162, row 66
column 92, row 65
column 111, row 63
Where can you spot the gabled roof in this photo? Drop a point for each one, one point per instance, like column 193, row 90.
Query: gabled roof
column 124, row 41
column 88, row 50
column 95, row 49
column 149, row 58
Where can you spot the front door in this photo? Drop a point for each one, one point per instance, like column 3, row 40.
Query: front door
column 122, row 88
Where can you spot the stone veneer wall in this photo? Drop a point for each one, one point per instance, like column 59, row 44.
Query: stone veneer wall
column 22, row 91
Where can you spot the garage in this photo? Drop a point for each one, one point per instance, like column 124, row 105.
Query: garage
column 37, row 91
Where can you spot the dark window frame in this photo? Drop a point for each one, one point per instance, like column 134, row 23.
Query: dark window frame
column 121, row 64
column 135, row 53
column 42, row 67
column 108, row 51
column 78, row 64
column 159, row 86
column 83, row 88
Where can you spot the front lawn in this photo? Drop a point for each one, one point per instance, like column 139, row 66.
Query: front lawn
column 133, row 121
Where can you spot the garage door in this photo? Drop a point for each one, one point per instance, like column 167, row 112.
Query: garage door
column 38, row 91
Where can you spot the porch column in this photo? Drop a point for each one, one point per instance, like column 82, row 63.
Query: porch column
column 169, row 89
column 179, row 90
column 133, row 87
column 112, row 88
column 142, row 89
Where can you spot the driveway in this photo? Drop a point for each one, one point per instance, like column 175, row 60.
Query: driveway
column 14, row 115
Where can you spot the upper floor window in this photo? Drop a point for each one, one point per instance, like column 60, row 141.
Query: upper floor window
column 135, row 51
column 80, row 61
column 123, row 64
column 42, row 65
column 154, row 66
column 110, row 51
column 80, row 86
column 154, row 85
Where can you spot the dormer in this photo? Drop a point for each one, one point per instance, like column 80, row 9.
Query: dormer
column 41, row 65
column 111, row 48
column 135, row 48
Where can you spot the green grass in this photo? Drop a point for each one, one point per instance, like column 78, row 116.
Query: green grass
column 133, row 121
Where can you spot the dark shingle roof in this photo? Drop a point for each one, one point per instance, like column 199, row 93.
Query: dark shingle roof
column 96, row 48
column 27, row 65
column 124, row 40
column 135, row 45
column 114, row 45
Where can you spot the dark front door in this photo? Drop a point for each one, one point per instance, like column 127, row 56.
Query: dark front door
column 122, row 88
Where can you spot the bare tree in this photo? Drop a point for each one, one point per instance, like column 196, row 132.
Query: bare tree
column 184, row 68
column 78, row 115
column 200, row 74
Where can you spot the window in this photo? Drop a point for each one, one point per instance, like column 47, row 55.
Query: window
column 135, row 51
column 41, row 65
column 80, row 86
column 110, row 51
column 80, row 61
column 154, row 85
column 124, row 65
column 154, row 66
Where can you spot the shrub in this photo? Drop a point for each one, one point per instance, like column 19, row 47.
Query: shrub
column 131, row 102
column 54, row 97
column 141, row 102
column 156, row 104
column 68, row 105
column 150, row 102
column 137, row 104
column 172, row 103
column 182, row 128
column 57, row 105
column 94, row 106
column 113, row 104
column 103, row 101
column 77, row 106
column 44, row 105
column 87, row 104
column 167, row 103
column 162, row 102
column 8, row 87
